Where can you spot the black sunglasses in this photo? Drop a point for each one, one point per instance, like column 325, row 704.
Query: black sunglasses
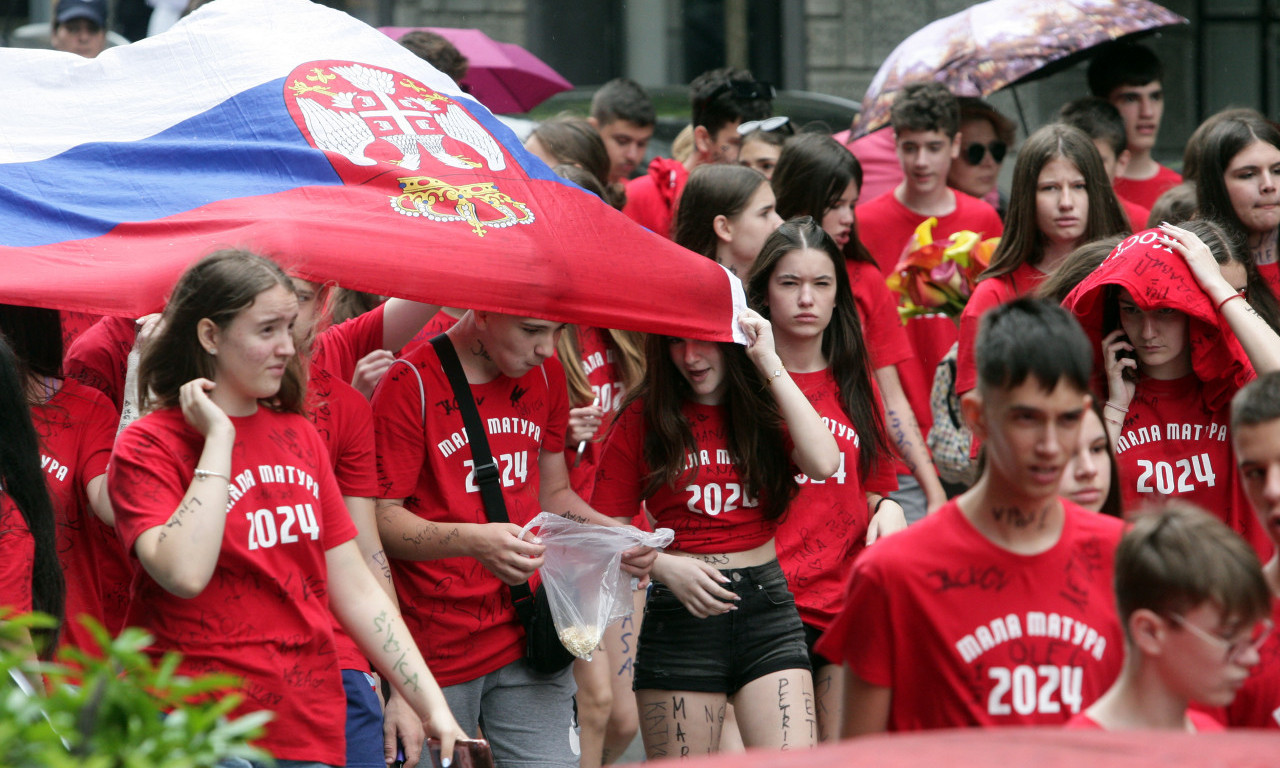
column 974, row 153
column 743, row 90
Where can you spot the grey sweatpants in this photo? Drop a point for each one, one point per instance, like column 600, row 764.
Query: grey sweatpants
column 527, row 717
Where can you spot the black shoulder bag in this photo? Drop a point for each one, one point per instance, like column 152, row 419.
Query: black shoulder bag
column 543, row 649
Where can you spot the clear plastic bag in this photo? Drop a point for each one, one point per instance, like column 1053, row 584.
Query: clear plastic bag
column 586, row 588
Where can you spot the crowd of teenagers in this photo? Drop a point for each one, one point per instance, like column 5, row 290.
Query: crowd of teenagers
column 274, row 477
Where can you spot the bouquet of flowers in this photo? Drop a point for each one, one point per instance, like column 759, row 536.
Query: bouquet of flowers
column 937, row 276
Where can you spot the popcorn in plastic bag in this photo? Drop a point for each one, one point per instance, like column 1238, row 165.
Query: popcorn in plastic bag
column 586, row 587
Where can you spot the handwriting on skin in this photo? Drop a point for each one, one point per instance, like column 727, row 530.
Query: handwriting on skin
column 1020, row 518
column 400, row 666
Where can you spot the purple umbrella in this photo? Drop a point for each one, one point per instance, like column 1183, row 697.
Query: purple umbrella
column 503, row 76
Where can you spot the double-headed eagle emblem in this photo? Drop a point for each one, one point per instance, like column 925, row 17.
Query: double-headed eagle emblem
column 400, row 121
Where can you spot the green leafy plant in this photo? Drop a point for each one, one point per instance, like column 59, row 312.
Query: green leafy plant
column 114, row 709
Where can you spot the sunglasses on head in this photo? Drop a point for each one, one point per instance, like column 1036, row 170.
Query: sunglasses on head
column 768, row 125
column 974, row 153
column 743, row 90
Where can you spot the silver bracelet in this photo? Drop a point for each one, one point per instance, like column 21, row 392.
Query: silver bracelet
column 203, row 473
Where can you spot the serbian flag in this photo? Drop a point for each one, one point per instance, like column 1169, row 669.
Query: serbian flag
column 300, row 133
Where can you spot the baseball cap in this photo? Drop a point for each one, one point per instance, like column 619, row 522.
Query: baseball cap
column 93, row 10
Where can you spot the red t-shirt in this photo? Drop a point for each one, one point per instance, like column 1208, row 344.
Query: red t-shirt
column 1200, row 723
column 74, row 324
column 969, row 634
column 340, row 347
column 344, row 421
column 989, row 293
column 707, row 508
column 1172, row 444
column 77, row 427
column 1271, row 275
column 886, row 225
column 652, row 198
column 1145, row 192
column 887, row 341
column 17, row 557
column 459, row 613
column 1136, row 214
column 439, row 323
column 825, row 527
column 605, row 378
column 882, row 328
column 99, row 358
column 1257, row 704
column 265, row 614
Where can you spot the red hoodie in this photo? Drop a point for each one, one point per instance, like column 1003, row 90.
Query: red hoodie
column 651, row 199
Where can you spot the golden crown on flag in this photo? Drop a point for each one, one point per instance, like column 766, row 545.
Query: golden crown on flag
column 437, row 201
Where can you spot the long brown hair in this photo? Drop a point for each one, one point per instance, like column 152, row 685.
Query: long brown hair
column 219, row 287
column 811, row 176
column 1022, row 242
column 843, row 343
column 711, row 191
column 628, row 347
column 753, row 426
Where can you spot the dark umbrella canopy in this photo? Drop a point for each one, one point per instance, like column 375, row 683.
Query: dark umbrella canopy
column 504, row 77
column 998, row 43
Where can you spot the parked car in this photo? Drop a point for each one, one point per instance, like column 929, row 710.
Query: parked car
column 807, row 110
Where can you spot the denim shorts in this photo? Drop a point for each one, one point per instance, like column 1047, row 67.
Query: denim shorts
column 719, row 654
column 811, row 637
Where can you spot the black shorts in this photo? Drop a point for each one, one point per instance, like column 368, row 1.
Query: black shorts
column 816, row 660
column 719, row 654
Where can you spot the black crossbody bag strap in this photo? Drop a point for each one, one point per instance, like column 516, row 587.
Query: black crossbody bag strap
column 486, row 469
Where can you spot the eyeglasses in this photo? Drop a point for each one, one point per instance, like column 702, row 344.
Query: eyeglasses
column 974, row 153
column 1257, row 636
column 768, row 125
column 743, row 90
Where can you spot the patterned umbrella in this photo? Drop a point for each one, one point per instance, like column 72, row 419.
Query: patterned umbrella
column 991, row 45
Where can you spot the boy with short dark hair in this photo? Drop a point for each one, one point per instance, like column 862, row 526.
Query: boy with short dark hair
column 1129, row 76
column 623, row 114
column 1194, row 607
column 720, row 100
column 996, row 609
column 926, row 128
column 1102, row 123
column 452, row 564
column 1255, row 432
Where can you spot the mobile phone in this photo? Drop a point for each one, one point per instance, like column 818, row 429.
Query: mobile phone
column 467, row 753
column 1111, row 322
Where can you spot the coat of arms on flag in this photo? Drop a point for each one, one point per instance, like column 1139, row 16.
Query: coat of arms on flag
column 379, row 120
column 316, row 140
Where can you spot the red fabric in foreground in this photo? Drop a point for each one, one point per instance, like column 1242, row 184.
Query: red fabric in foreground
column 582, row 261
column 1039, row 747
